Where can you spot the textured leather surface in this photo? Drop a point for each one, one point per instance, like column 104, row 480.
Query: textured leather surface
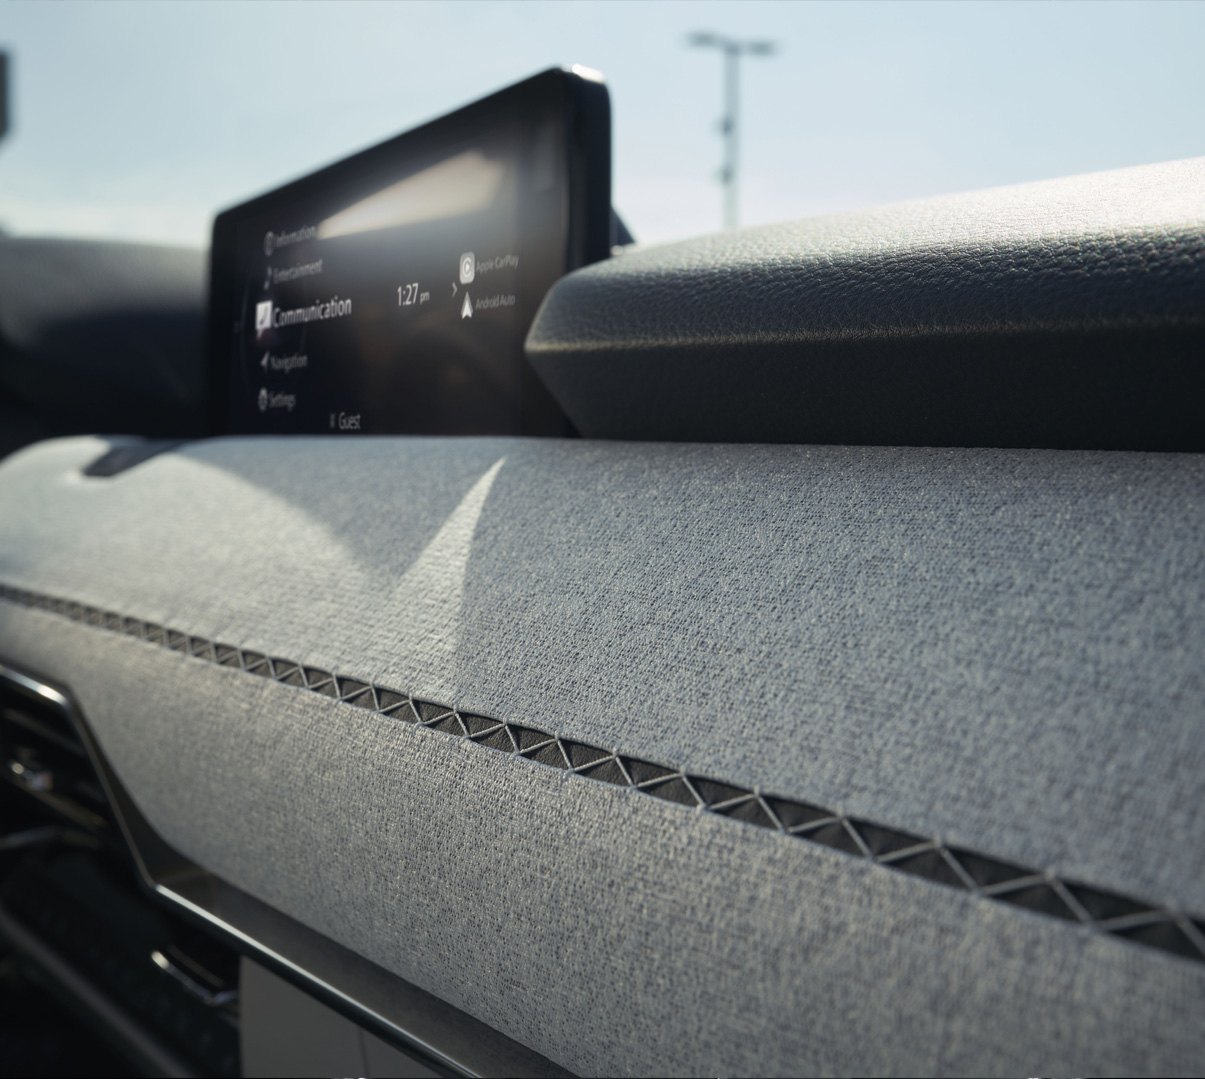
column 1068, row 313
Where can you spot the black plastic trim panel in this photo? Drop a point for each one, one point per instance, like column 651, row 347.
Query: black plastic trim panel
column 1020, row 886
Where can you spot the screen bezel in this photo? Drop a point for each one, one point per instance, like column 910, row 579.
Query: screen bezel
column 583, row 100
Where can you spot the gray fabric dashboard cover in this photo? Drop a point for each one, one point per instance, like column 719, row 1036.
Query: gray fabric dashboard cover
column 998, row 648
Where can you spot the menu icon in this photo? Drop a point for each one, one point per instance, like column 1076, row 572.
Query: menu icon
column 263, row 317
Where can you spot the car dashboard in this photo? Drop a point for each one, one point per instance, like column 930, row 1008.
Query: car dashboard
column 829, row 701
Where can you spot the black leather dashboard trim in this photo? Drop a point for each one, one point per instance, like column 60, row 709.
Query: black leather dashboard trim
column 1120, row 916
column 1067, row 314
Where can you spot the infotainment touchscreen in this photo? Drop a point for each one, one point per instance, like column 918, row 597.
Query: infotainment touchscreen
column 391, row 293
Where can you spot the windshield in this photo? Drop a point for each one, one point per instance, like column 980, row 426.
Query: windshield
column 139, row 122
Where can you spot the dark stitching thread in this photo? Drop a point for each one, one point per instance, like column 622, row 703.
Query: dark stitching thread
column 1168, row 930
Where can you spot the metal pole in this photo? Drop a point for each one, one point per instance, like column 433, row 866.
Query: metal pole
column 732, row 50
column 732, row 54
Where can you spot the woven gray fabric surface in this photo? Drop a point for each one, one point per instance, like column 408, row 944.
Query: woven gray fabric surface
column 614, row 933
column 1000, row 649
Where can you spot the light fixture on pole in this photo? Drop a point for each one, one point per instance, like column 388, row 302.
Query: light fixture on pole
column 733, row 51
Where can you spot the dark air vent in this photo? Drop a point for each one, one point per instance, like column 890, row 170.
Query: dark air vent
column 70, row 899
column 41, row 754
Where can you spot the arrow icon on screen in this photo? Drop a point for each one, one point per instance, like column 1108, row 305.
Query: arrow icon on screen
column 466, row 308
column 453, row 288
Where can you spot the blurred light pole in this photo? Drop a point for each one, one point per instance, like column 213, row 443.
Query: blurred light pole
column 733, row 51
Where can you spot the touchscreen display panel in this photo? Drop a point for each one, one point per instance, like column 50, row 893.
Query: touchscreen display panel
column 391, row 293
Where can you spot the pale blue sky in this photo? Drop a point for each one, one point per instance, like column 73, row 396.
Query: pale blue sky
column 139, row 121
